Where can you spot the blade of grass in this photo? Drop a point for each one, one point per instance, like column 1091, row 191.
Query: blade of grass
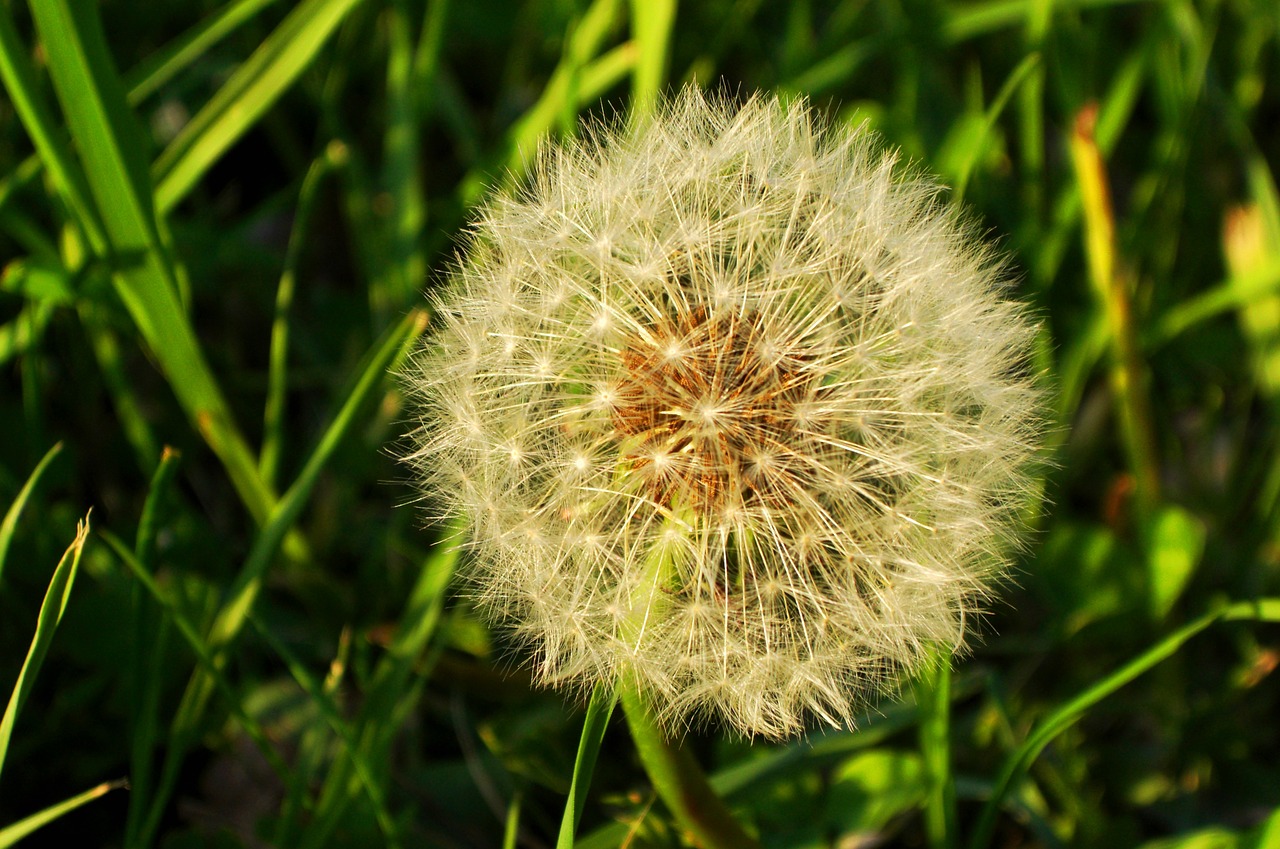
column 511, row 830
column 401, row 175
column 10, row 523
column 390, row 350
column 150, row 640
column 278, row 362
column 388, row 695
column 230, row 618
column 19, row 178
column 1113, row 116
column 51, row 610
column 147, row 78
column 251, row 89
column 102, row 126
column 175, row 57
column 1129, row 375
column 26, row 94
column 1031, row 114
column 560, row 94
column 10, row 835
column 1235, row 292
column 324, row 703
column 20, row 335
column 106, row 350
column 1066, row 715
column 967, row 21
column 426, row 59
column 651, row 24
column 599, row 710
column 1019, row 74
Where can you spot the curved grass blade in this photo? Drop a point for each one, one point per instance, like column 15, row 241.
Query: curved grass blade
column 575, row 81
column 278, row 363
column 10, row 522
column 389, row 696
column 22, row 81
column 231, row 617
column 1019, row 761
column 1020, row 74
column 599, row 710
column 10, row 835
column 150, row 640
column 249, row 92
column 167, row 63
column 55, row 602
column 114, row 157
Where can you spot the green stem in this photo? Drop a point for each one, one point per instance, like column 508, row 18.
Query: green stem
column 679, row 780
column 933, row 697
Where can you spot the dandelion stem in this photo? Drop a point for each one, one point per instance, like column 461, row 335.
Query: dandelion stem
column 933, row 695
column 678, row 779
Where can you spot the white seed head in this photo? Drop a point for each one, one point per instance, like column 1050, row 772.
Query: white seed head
column 735, row 407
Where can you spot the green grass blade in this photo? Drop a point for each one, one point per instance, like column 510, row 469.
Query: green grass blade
column 150, row 639
column 402, row 174
column 1067, row 714
column 342, row 730
column 1020, row 74
column 211, row 669
column 55, row 602
column 651, row 24
column 232, row 615
column 143, row 81
column 388, row 695
column 111, row 147
column 94, row 319
column 574, row 82
column 970, row 20
column 37, row 117
column 278, row 363
column 165, row 64
column 599, row 710
column 389, row 351
column 511, row 830
column 10, row 522
column 1236, row 292
column 20, row 829
column 20, row 335
column 22, row 82
column 254, row 87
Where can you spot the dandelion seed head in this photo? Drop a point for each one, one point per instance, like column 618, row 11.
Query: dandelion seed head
column 735, row 407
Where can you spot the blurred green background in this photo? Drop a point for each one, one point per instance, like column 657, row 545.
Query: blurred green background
column 217, row 220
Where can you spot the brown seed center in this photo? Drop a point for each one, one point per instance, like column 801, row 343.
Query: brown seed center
column 706, row 412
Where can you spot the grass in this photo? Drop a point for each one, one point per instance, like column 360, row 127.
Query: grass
column 217, row 220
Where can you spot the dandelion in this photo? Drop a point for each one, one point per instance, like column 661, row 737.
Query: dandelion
column 736, row 410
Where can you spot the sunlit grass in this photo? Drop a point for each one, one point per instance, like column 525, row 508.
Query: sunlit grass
column 217, row 220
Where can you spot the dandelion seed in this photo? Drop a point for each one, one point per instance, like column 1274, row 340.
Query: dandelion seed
column 736, row 409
